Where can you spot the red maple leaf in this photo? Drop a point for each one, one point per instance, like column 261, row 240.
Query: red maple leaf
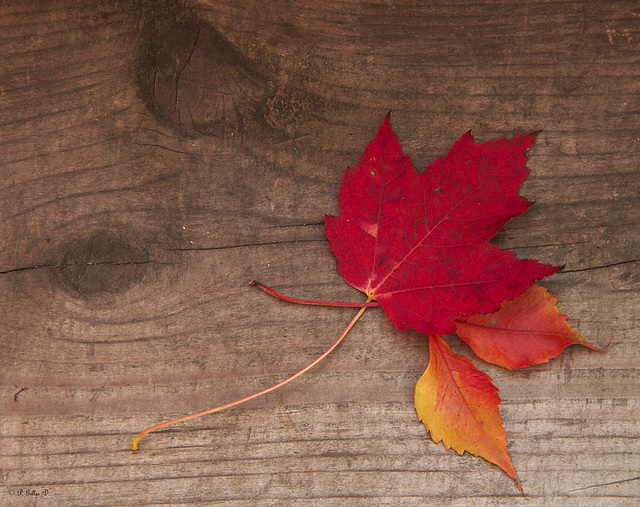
column 419, row 243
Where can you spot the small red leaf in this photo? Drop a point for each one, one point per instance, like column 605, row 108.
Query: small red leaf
column 527, row 330
column 418, row 243
column 458, row 405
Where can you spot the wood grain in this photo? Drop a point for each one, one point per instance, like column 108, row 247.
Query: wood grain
column 156, row 156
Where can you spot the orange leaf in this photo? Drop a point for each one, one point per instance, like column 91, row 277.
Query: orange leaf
column 458, row 405
column 526, row 330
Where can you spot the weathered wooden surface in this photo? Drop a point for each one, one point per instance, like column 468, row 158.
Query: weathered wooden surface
column 155, row 158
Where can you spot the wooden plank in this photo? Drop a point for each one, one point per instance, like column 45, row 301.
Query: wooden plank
column 155, row 157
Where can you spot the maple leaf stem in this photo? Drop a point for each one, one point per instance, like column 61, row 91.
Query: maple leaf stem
column 139, row 436
column 275, row 294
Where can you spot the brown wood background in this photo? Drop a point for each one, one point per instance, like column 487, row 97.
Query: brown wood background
column 155, row 156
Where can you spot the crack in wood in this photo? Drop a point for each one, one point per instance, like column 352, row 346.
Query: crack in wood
column 600, row 267
column 156, row 145
column 75, row 264
column 193, row 48
column 600, row 485
column 305, row 224
column 245, row 245
column 546, row 245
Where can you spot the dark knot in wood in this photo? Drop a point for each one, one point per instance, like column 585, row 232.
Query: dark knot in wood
column 106, row 262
